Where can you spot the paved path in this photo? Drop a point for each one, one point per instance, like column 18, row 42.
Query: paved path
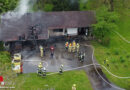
column 70, row 62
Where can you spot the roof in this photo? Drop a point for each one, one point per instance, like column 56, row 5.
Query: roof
column 10, row 29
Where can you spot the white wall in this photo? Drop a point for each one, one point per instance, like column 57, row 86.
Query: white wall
column 72, row 31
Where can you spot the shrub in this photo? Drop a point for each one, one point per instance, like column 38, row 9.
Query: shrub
column 5, row 57
column 116, row 66
column 105, row 41
column 122, row 60
column 1, row 46
column 113, row 61
column 108, row 53
column 116, row 52
column 128, row 56
column 128, row 81
column 125, row 66
column 106, row 21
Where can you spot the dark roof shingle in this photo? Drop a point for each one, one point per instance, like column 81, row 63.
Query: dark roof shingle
column 11, row 29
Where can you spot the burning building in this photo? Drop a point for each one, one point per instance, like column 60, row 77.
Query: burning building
column 44, row 25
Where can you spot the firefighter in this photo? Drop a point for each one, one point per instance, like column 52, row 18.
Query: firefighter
column 70, row 47
column 74, row 46
column 41, row 51
column 104, row 61
column 77, row 46
column 74, row 87
column 44, row 52
column 52, row 54
column 79, row 54
column 52, row 51
column 44, row 72
column 61, row 69
column 40, row 66
column 82, row 57
column 66, row 45
column 107, row 62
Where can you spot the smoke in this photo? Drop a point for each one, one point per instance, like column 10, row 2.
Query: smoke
column 23, row 7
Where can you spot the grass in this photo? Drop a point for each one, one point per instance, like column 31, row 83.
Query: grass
column 59, row 82
column 124, row 24
column 117, row 53
column 4, row 57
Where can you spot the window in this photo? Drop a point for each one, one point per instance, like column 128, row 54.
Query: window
column 58, row 30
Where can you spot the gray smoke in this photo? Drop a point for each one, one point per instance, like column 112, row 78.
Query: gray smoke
column 23, row 7
column 13, row 20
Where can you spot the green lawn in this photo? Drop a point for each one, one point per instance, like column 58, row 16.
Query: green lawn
column 117, row 53
column 60, row 82
column 124, row 24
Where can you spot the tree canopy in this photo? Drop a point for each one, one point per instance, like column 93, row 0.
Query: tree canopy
column 57, row 5
column 106, row 21
column 6, row 5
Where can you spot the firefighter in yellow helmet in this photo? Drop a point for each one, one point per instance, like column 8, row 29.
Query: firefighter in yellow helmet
column 41, row 51
column 73, row 46
column 61, row 69
column 40, row 66
column 77, row 46
column 66, row 45
column 74, row 87
column 106, row 61
column 70, row 47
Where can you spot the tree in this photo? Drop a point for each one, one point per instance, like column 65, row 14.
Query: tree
column 48, row 7
column 57, row 5
column 1, row 46
column 65, row 5
column 6, row 5
column 109, row 3
column 112, row 5
column 106, row 21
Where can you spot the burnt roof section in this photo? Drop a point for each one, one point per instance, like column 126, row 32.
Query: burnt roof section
column 10, row 29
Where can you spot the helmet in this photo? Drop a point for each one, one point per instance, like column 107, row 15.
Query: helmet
column 67, row 43
column 40, row 65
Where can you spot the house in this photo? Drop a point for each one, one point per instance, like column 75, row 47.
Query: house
column 45, row 25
